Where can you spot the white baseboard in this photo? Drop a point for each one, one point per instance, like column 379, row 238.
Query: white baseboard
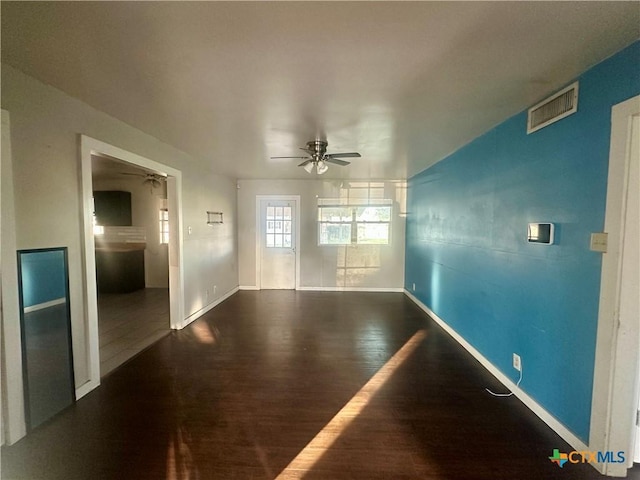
column 203, row 310
column 351, row 289
column 335, row 289
column 42, row 306
column 534, row 406
column 85, row 388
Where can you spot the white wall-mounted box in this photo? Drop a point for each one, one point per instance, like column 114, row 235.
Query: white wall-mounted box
column 541, row 233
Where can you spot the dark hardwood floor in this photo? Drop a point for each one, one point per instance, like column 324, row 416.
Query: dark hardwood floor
column 241, row 392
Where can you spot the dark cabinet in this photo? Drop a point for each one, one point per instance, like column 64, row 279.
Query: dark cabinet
column 119, row 271
column 119, row 264
column 113, row 208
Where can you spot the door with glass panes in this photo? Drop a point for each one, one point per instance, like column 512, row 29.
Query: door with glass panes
column 278, row 244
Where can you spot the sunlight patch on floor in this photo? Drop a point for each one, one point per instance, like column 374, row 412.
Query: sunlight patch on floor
column 314, row 450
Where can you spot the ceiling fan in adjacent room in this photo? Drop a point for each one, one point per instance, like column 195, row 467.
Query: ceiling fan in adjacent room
column 153, row 180
column 318, row 157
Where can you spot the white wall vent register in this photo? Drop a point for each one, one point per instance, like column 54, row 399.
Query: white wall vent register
column 556, row 107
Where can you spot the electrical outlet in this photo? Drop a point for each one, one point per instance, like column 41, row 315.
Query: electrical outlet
column 517, row 363
column 414, row 287
column 215, row 287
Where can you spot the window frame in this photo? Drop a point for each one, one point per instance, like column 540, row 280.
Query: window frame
column 163, row 221
column 278, row 228
column 353, row 222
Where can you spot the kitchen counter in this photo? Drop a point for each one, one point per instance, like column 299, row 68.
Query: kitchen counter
column 120, row 268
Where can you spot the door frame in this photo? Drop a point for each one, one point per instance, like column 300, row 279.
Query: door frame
column 90, row 146
column 617, row 344
column 285, row 198
column 12, row 413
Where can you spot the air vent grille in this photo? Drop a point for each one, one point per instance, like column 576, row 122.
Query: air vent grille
column 554, row 108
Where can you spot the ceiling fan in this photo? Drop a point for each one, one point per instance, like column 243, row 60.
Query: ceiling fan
column 317, row 149
column 152, row 179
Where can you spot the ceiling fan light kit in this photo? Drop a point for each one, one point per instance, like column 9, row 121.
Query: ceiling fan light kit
column 317, row 149
column 321, row 167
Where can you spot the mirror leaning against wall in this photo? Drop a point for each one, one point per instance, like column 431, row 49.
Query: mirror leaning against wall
column 46, row 333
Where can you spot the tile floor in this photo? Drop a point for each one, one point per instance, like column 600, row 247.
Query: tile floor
column 130, row 322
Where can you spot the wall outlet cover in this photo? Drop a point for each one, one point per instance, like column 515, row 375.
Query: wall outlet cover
column 517, row 363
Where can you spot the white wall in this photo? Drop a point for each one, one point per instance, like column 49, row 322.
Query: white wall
column 210, row 252
column 145, row 206
column 349, row 267
column 45, row 128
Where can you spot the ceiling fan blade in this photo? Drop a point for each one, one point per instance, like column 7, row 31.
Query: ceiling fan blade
column 305, row 163
column 344, row 155
column 308, row 150
column 328, row 159
column 298, row 158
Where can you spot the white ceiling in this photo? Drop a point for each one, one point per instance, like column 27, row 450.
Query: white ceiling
column 104, row 168
column 233, row 83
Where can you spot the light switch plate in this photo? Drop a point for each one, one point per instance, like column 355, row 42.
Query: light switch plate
column 599, row 242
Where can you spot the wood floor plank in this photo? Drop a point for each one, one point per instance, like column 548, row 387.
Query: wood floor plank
column 242, row 391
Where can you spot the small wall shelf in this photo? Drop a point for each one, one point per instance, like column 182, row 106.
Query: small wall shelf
column 214, row 218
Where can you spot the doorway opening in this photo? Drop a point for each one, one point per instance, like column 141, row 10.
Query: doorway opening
column 131, row 235
column 120, row 254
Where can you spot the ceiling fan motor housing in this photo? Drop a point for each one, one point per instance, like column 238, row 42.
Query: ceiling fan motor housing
column 317, row 148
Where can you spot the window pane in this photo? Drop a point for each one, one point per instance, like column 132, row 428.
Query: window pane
column 334, row 214
column 270, row 213
column 373, row 214
column 278, row 212
column 335, row 234
column 270, row 228
column 278, row 227
column 163, row 215
column 287, row 227
column 278, row 240
column 270, row 240
column 287, row 213
column 373, row 233
column 286, row 241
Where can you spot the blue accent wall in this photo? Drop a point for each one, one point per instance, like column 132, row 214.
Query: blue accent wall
column 466, row 248
column 43, row 276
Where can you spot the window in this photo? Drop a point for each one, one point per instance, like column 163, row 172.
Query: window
column 367, row 223
column 164, row 225
column 278, row 231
